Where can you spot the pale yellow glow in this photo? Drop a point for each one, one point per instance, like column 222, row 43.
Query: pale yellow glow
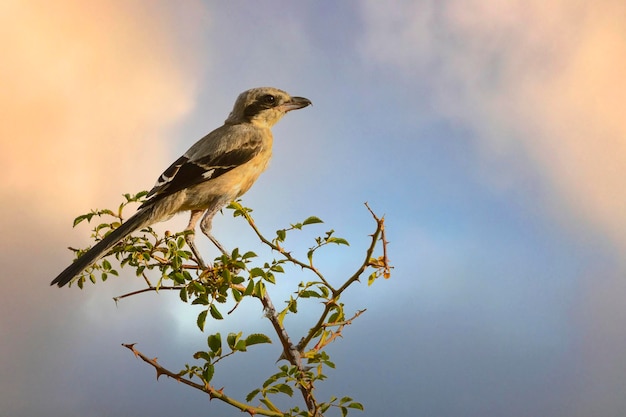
column 89, row 91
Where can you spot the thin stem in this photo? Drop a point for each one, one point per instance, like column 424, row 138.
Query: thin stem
column 287, row 255
column 207, row 388
column 148, row 289
column 336, row 293
column 290, row 352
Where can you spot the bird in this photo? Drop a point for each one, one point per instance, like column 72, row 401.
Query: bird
column 216, row 170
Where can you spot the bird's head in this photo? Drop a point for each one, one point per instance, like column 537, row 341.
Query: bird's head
column 264, row 106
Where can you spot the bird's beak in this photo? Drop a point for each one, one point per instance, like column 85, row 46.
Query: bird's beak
column 296, row 103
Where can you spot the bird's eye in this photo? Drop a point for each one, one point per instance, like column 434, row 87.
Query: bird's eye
column 268, row 99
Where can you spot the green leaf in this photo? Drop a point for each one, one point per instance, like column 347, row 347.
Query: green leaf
column 215, row 343
column 183, row 294
column 259, row 289
column 309, row 294
column 201, row 319
column 215, row 313
column 257, row 272
column 202, row 355
column 338, row 241
column 201, row 299
column 356, row 405
column 177, row 277
column 257, row 338
column 325, row 291
column 200, row 289
column 240, row 345
column 312, row 220
column 208, row 372
column 285, row 389
column 281, row 235
column 269, row 277
column 232, row 339
column 252, row 394
column 372, row 278
column 80, row 219
column 281, row 316
column 250, row 288
column 248, row 255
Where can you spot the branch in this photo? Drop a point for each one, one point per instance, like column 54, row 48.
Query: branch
column 280, row 250
column 207, row 388
column 378, row 234
column 337, row 333
column 290, row 352
column 148, row 289
column 382, row 263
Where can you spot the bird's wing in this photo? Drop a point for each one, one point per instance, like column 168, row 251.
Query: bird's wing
column 217, row 153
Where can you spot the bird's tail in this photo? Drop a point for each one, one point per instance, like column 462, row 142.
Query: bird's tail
column 138, row 220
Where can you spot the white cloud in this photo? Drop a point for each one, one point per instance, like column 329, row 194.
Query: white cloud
column 539, row 82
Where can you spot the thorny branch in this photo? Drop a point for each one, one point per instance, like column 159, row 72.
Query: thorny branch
column 280, row 250
column 208, row 388
column 379, row 234
column 292, row 353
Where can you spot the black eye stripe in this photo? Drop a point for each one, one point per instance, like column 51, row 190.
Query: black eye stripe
column 264, row 102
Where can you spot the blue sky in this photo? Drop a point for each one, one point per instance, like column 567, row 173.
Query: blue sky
column 491, row 135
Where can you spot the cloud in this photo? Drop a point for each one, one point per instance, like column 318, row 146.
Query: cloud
column 90, row 93
column 539, row 83
column 89, row 89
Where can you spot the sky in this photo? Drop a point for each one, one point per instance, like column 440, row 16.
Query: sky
column 490, row 134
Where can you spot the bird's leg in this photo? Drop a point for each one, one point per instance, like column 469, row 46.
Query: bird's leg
column 205, row 226
column 189, row 237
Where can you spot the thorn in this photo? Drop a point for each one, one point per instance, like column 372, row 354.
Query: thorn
column 131, row 346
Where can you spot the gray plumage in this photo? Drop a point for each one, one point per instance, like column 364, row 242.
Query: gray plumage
column 216, row 170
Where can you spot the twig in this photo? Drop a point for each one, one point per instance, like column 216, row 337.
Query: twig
column 207, row 388
column 337, row 333
column 148, row 289
column 336, row 293
column 290, row 352
column 287, row 255
column 380, row 226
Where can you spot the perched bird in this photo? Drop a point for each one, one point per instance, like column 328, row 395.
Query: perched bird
column 216, row 170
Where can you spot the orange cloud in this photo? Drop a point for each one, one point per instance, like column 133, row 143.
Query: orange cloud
column 581, row 124
column 89, row 91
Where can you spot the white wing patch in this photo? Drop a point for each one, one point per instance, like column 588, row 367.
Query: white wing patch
column 208, row 174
